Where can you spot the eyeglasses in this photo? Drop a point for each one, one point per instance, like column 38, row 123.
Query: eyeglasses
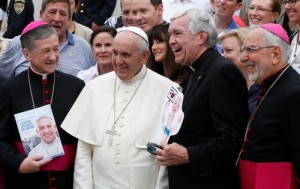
column 260, row 10
column 290, row 2
column 251, row 49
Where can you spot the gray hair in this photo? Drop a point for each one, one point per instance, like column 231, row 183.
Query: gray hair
column 200, row 21
column 41, row 32
column 142, row 44
column 270, row 39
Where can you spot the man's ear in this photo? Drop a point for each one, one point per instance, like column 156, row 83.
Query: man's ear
column 276, row 55
column 146, row 55
column 239, row 6
column 26, row 54
column 202, row 37
column 160, row 9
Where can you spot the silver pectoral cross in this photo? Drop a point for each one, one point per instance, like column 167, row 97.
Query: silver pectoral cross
column 111, row 132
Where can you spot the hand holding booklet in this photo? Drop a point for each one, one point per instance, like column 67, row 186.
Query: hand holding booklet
column 171, row 120
column 38, row 132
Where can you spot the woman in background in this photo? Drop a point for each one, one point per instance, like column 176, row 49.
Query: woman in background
column 232, row 42
column 164, row 58
column 263, row 12
column 101, row 42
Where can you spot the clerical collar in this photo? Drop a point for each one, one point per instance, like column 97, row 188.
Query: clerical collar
column 44, row 76
column 269, row 81
column 136, row 78
column 203, row 58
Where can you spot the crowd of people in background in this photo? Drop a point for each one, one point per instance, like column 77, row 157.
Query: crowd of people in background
column 105, row 73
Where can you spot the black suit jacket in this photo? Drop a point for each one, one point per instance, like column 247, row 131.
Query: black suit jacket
column 216, row 112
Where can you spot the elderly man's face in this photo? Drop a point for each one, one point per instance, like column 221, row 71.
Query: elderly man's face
column 127, row 56
column 46, row 129
column 258, row 62
column 44, row 57
column 146, row 16
column 183, row 43
column 57, row 15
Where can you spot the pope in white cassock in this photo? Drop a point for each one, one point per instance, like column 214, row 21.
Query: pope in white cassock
column 114, row 118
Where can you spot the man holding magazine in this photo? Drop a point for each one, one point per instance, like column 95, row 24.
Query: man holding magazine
column 37, row 87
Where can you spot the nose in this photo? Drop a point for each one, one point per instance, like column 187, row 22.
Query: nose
column 103, row 49
column 52, row 56
column 130, row 17
column 154, row 46
column 287, row 6
column 57, row 16
column 137, row 16
column 171, row 40
column 117, row 59
column 244, row 56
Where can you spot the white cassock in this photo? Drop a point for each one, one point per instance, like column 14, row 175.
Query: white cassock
column 126, row 163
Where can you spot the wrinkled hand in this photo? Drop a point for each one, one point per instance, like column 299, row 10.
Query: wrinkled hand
column 32, row 164
column 172, row 154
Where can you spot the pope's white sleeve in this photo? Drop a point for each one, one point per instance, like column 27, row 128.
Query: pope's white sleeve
column 162, row 179
column 83, row 173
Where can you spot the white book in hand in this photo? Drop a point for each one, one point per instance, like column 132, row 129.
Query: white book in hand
column 38, row 132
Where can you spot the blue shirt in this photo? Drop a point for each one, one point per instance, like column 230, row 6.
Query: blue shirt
column 75, row 55
column 232, row 26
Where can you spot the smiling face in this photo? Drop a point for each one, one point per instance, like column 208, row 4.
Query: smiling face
column 46, row 129
column 127, row 56
column 260, row 12
column 44, row 58
column 177, row 104
column 146, row 16
column 127, row 14
column 231, row 50
column 185, row 45
column 226, row 8
column 293, row 12
column 102, row 48
column 259, row 62
column 160, row 50
column 57, row 15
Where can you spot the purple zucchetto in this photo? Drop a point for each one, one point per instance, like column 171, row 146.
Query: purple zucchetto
column 277, row 30
column 32, row 25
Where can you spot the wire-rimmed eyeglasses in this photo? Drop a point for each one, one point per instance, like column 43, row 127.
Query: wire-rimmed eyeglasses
column 259, row 10
column 290, row 2
column 251, row 49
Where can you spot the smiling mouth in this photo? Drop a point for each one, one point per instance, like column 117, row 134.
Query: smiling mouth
column 250, row 65
column 176, row 50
